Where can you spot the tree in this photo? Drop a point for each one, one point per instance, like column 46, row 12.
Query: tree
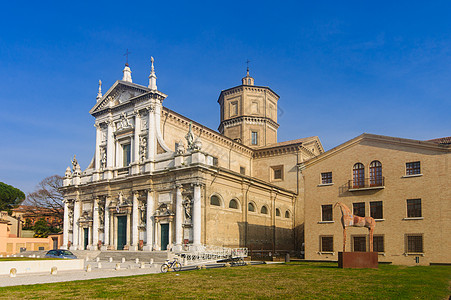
column 10, row 197
column 47, row 198
column 41, row 229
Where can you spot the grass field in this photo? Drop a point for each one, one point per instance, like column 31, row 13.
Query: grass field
column 23, row 258
column 293, row 280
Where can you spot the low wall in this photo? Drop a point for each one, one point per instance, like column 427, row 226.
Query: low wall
column 38, row 266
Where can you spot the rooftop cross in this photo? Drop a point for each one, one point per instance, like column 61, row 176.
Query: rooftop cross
column 126, row 55
column 247, row 63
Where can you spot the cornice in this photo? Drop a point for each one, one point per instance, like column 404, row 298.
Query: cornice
column 242, row 88
column 131, row 103
column 277, row 150
column 378, row 138
column 248, row 120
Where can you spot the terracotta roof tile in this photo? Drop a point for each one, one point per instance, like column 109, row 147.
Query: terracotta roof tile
column 443, row 140
column 286, row 143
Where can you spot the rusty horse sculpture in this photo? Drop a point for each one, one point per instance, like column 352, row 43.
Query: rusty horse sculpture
column 348, row 219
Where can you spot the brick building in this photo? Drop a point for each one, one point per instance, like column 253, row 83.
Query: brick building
column 403, row 184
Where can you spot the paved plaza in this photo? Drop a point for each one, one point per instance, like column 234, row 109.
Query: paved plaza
column 107, row 270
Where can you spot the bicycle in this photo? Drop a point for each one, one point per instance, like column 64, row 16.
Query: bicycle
column 171, row 265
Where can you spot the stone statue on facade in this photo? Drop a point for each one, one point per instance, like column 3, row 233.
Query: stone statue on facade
column 190, row 137
column 74, row 163
column 120, row 199
column 180, row 148
column 102, row 215
column 142, row 214
column 197, row 145
column 187, row 207
column 68, row 173
column 142, row 148
column 102, row 158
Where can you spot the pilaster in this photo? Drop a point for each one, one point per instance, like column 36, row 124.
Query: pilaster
column 66, row 224
column 178, row 218
column 95, row 224
column 135, row 233
column 149, row 221
column 197, row 215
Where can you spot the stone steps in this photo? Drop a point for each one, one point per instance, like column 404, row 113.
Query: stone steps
column 157, row 256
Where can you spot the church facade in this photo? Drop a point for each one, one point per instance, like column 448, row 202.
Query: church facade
column 160, row 181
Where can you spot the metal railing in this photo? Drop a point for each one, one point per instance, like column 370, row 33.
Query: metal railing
column 366, row 183
column 207, row 253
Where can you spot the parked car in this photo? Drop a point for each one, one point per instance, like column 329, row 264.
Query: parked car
column 60, row 253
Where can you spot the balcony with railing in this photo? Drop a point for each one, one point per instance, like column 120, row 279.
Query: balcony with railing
column 366, row 184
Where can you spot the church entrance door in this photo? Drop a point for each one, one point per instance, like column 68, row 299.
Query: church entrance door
column 85, row 238
column 121, row 232
column 164, row 236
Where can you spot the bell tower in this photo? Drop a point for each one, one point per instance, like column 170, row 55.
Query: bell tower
column 249, row 113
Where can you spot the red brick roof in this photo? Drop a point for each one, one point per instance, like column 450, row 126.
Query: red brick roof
column 286, row 143
column 443, row 140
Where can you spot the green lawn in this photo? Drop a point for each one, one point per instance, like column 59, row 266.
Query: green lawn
column 23, row 258
column 294, row 280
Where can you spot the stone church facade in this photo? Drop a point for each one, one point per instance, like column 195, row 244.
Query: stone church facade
column 160, row 181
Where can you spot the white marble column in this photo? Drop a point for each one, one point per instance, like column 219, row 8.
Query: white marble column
column 66, row 224
column 97, row 152
column 90, row 236
column 151, row 138
column 106, row 226
column 110, row 145
column 135, row 233
column 136, row 137
column 95, row 224
column 149, row 221
column 178, row 218
column 157, row 242
column 197, row 219
column 75, row 228
column 129, row 232
column 170, row 236
column 113, row 231
column 118, row 161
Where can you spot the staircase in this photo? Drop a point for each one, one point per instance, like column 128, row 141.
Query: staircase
column 157, row 256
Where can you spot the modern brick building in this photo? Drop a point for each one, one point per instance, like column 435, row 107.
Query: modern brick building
column 403, row 184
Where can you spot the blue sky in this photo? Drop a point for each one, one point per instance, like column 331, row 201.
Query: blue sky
column 341, row 68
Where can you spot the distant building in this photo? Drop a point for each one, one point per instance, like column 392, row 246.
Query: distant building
column 12, row 242
column 30, row 214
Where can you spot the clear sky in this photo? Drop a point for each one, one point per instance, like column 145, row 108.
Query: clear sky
column 341, row 68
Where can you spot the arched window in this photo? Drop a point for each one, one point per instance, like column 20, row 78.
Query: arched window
column 233, row 204
column 250, row 207
column 214, row 200
column 287, row 214
column 277, row 212
column 358, row 173
column 375, row 173
column 264, row 210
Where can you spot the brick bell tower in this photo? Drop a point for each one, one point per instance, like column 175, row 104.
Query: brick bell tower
column 249, row 113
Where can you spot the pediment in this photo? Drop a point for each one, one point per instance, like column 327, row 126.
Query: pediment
column 121, row 92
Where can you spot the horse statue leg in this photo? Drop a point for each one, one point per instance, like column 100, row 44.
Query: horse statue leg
column 344, row 238
column 371, row 238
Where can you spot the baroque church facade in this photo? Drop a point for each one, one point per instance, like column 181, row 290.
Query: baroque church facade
column 160, row 181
